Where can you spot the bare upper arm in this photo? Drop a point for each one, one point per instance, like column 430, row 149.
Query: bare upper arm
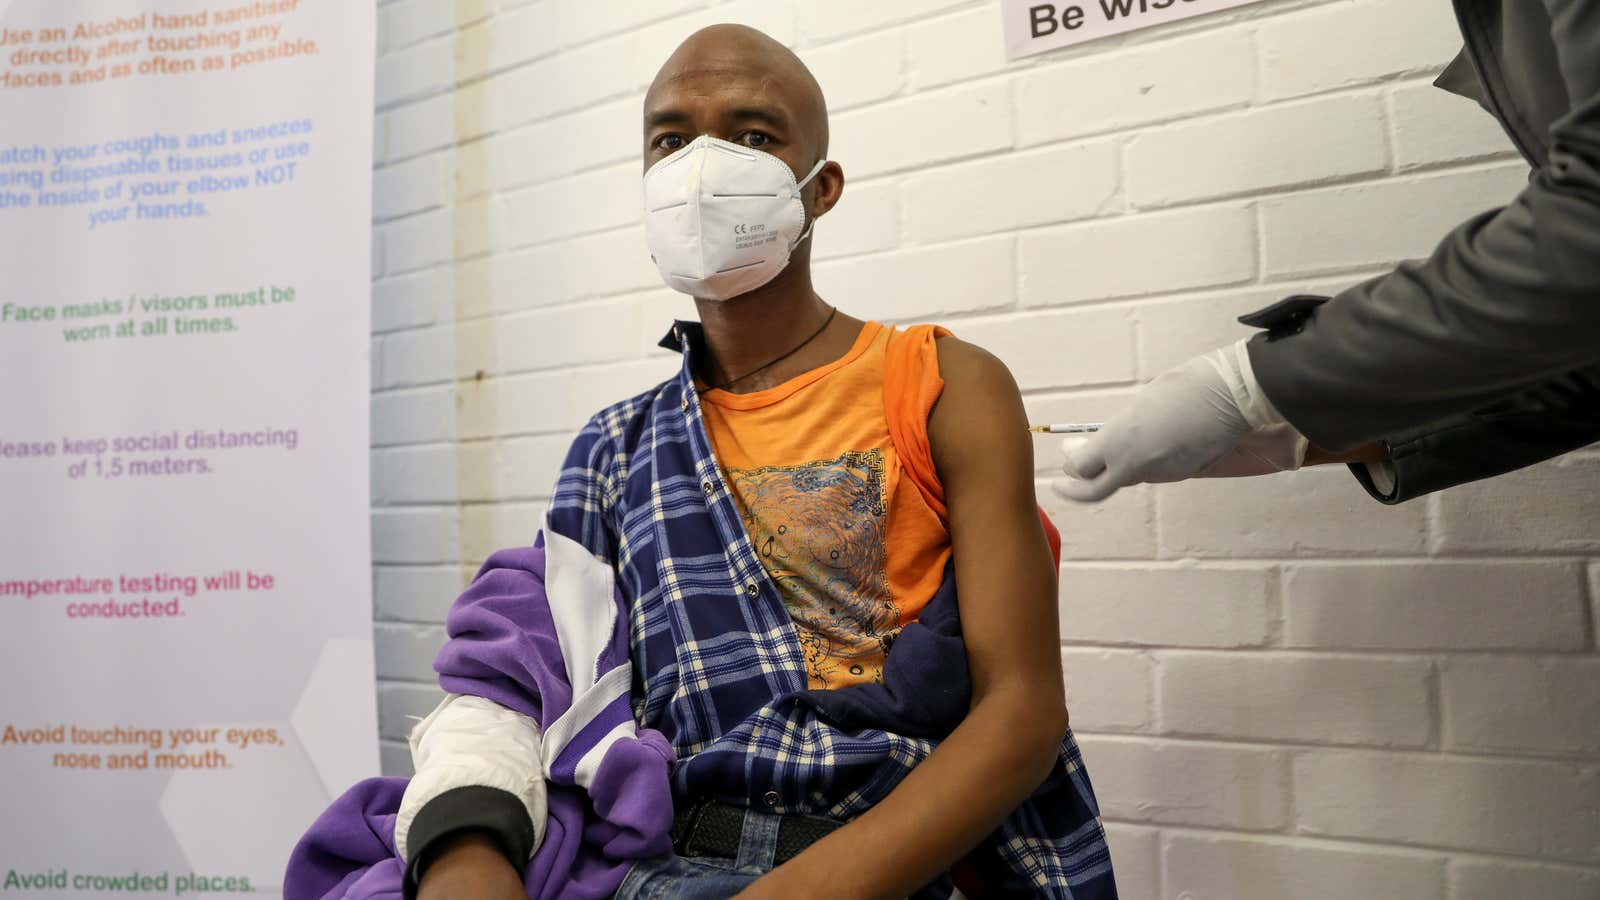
column 1004, row 575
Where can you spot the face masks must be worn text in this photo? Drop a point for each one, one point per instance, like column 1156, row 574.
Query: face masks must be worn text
column 721, row 219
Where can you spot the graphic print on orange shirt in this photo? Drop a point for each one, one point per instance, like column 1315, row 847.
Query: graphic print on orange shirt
column 820, row 531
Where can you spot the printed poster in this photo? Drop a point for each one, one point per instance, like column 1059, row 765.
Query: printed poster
column 185, row 615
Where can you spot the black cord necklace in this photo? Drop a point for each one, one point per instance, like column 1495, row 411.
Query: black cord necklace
column 792, row 351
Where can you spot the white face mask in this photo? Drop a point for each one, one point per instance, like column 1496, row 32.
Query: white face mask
column 721, row 219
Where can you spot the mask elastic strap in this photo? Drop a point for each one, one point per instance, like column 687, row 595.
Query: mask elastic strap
column 807, row 180
column 803, row 182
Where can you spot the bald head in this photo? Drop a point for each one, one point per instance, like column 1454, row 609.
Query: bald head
column 735, row 83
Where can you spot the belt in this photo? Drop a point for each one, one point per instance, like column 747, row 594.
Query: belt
column 710, row 828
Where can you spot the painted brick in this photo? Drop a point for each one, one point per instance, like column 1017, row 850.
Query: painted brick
column 1556, row 507
column 558, row 84
column 1434, row 126
column 415, row 593
column 1490, row 605
column 1014, row 191
column 1171, row 332
column 596, row 331
column 1181, row 783
column 419, row 357
column 923, row 283
column 593, row 201
column 418, row 242
column 774, row 18
column 527, row 468
column 405, row 652
column 414, row 475
column 1123, row 89
column 1500, row 880
column 1120, row 528
column 602, row 135
column 419, row 127
column 1207, row 867
column 944, row 51
column 412, row 417
column 1108, row 690
column 867, row 220
column 1316, row 699
column 1532, row 705
column 410, row 301
column 828, row 21
column 916, row 132
column 485, row 529
column 1383, row 222
column 1260, row 149
column 1133, row 255
column 399, row 703
column 394, row 759
column 420, row 71
column 1308, row 513
column 1173, row 606
column 859, row 72
column 416, row 535
column 1497, row 806
column 1136, row 858
column 580, row 21
column 1343, row 44
column 409, row 21
column 1052, row 349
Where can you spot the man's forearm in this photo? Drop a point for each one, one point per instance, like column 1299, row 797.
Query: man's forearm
column 988, row 766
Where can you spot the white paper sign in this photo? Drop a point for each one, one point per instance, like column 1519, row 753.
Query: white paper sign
column 1035, row 27
column 185, row 577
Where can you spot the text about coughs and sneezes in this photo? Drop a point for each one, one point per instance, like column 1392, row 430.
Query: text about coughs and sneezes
column 151, row 176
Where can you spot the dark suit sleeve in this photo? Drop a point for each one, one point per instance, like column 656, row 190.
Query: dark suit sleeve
column 1508, row 301
column 1552, row 418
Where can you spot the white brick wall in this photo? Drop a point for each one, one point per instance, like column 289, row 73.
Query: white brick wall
column 1283, row 690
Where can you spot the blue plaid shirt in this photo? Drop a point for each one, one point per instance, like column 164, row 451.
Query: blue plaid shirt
column 718, row 666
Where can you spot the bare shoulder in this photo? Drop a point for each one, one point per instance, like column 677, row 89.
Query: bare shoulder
column 967, row 367
column 979, row 414
column 975, row 377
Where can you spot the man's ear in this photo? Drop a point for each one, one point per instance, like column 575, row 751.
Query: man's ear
column 827, row 187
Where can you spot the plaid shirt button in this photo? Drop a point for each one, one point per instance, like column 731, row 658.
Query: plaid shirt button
column 708, row 487
column 771, row 798
column 752, row 589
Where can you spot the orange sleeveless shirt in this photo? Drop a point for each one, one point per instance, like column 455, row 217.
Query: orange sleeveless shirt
column 833, row 476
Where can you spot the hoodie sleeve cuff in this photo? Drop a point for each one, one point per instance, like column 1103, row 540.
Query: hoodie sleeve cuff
column 497, row 813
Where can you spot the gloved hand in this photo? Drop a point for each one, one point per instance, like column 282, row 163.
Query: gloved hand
column 1205, row 418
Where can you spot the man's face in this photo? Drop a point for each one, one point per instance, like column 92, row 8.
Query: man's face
column 728, row 98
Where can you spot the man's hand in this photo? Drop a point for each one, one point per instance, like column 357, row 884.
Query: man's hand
column 472, row 867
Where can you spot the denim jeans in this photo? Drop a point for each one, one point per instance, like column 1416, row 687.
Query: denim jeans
column 674, row 877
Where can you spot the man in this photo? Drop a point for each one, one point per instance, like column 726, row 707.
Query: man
column 809, row 571
column 1481, row 359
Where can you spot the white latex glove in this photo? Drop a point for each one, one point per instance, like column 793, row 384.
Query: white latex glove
column 1205, row 418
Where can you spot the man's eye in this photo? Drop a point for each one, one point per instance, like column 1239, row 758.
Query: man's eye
column 755, row 138
column 670, row 142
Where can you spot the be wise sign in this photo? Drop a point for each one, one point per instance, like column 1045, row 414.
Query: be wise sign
column 1034, row 27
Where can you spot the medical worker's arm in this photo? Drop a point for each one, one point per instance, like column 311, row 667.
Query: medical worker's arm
column 1006, row 582
column 1504, row 306
column 1507, row 300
